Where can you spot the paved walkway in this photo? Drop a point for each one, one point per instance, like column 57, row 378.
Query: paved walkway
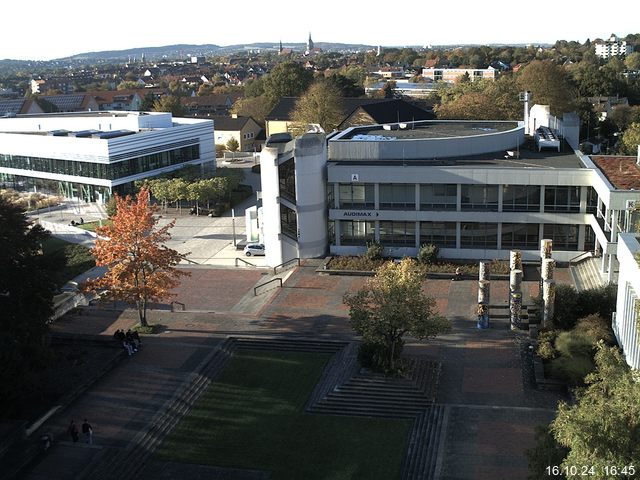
column 491, row 408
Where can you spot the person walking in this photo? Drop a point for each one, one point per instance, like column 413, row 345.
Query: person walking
column 73, row 431
column 87, row 432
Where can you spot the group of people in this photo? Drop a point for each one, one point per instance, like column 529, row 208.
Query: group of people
column 74, row 223
column 87, row 432
column 130, row 340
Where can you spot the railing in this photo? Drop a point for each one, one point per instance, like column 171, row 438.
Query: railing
column 177, row 303
column 244, row 261
column 189, row 260
column 581, row 257
column 255, row 289
column 286, row 265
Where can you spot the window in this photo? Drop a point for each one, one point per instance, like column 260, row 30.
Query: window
column 479, row 235
column 357, row 196
column 354, row 232
column 438, row 196
column 288, row 222
column 397, row 196
column 442, row 234
column 520, row 198
column 331, row 231
column 480, row 197
column 520, row 235
column 287, row 176
column 561, row 199
column 398, row 234
column 565, row 237
column 592, row 200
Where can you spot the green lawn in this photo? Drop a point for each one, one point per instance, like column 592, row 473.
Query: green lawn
column 70, row 259
column 253, row 418
column 91, row 226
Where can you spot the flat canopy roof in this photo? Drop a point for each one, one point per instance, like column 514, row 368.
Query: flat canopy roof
column 427, row 129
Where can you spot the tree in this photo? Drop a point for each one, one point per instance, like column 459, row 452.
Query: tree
column 140, row 268
column 288, row 79
column 233, row 145
column 320, row 104
column 602, row 429
column 169, row 103
column 346, row 86
column 255, row 107
column 630, row 140
column 632, row 62
column 549, row 85
column 26, row 294
column 392, row 304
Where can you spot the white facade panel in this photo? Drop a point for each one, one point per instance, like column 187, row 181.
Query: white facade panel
column 625, row 326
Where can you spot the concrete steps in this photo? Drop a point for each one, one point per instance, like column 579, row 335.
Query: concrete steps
column 586, row 274
column 422, row 451
column 275, row 344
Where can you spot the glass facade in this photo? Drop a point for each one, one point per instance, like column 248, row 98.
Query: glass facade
column 565, row 237
column 398, row 234
column 479, row 235
column 520, row 235
column 357, row 196
column 288, row 222
column 438, row 196
column 520, row 198
column 480, row 197
column 287, row 177
column 398, row 196
column 561, row 199
column 354, row 232
column 442, row 234
column 107, row 171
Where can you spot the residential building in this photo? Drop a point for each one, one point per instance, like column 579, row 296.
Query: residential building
column 208, row 105
column 18, row 106
column 75, row 102
column 613, row 48
column 245, row 130
column 91, row 155
column 122, row 100
column 452, row 75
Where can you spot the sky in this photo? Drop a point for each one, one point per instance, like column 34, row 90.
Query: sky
column 43, row 31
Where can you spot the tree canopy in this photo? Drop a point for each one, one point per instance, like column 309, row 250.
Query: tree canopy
column 321, row 104
column 549, row 84
column 288, row 79
column 392, row 304
column 140, row 268
column 169, row 103
column 630, row 140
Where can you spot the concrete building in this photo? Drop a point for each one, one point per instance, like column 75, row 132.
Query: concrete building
column 625, row 324
column 91, row 155
column 245, row 130
column 612, row 48
column 475, row 189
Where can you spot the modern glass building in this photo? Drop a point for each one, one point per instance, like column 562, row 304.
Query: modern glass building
column 91, row 155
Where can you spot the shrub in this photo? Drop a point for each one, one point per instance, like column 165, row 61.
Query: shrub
column 600, row 300
column 375, row 356
column 220, row 149
column 428, row 253
column 566, row 303
column 374, row 251
column 111, row 207
column 572, row 369
column 595, row 328
column 546, row 344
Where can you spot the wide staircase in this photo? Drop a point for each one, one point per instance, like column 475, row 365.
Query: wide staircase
column 586, row 274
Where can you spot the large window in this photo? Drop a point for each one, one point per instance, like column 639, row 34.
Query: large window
column 520, row 198
column 520, row 235
column 107, row 171
column 288, row 222
column 398, row 234
column 561, row 199
column 287, row 177
column 438, row 196
column 479, row 235
column 565, row 237
column 357, row 195
column 592, row 200
column 354, row 232
column 442, row 234
column 480, row 197
column 397, row 196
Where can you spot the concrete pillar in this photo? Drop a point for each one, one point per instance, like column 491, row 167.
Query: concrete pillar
column 546, row 248
column 515, row 297
column 548, row 299
column 484, row 271
column 484, row 292
column 515, row 280
column 548, row 267
column 515, row 260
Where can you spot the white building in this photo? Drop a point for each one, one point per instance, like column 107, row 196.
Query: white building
column 625, row 324
column 613, row 47
column 90, row 155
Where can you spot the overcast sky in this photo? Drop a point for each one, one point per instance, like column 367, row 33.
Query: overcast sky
column 44, row 30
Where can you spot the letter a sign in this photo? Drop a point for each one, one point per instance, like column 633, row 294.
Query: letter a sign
column 355, row 177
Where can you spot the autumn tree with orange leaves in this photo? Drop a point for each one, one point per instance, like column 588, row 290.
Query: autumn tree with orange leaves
column 140, row 268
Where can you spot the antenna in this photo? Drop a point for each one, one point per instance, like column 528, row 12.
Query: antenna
column 526, row 98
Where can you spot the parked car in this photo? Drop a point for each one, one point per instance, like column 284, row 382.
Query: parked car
column 254, row 249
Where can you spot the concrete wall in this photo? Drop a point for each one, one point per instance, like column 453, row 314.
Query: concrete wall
column 624, row 325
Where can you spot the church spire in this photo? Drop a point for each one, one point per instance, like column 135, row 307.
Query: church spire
column 309, row 44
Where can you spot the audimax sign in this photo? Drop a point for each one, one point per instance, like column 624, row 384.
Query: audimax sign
column 359, row 214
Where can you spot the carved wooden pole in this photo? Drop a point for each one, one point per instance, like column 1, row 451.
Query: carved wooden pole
column 548, row 268
column 515, row 297
column 515, row 260
column 548, row 299
column 546, row 248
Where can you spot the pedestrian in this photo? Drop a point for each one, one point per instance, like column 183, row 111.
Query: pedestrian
column 87, row 432
column 73, row 431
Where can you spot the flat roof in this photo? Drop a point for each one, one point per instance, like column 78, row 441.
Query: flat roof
column 622, row 172
column 428, row 129
column 527, row 156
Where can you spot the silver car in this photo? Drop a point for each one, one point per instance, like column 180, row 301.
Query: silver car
column 254, row 249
